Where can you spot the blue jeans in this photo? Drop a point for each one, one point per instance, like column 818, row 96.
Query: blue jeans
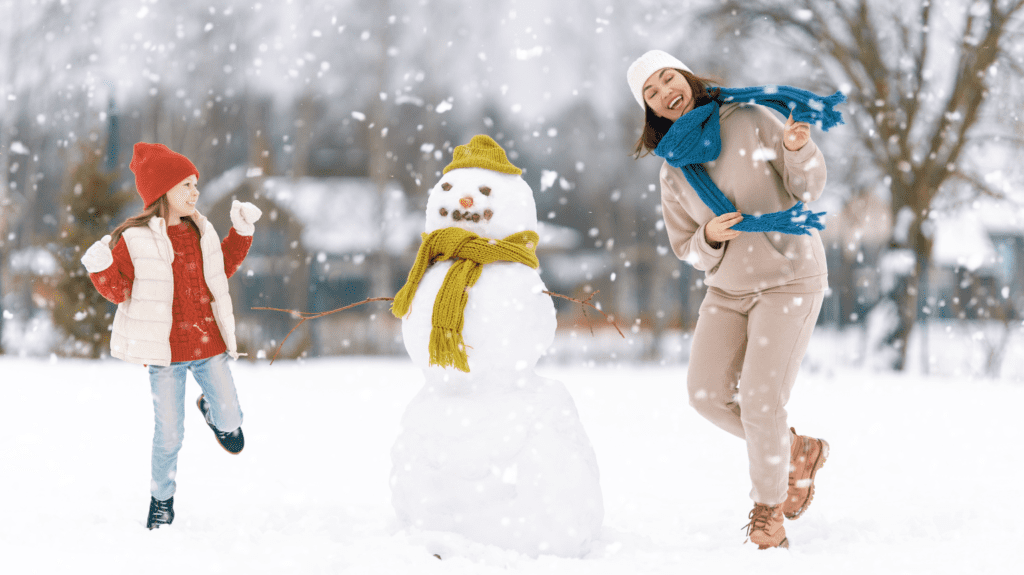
column 168, row 385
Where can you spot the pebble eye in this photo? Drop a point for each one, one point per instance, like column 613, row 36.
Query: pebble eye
column 446, row 186
column 485, row 190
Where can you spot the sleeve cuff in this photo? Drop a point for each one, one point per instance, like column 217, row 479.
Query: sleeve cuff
column 709, row 256
column 803, row 155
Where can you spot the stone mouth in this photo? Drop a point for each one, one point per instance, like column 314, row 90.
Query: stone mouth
column 467, row 215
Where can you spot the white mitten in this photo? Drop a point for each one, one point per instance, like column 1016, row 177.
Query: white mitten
column 243, row 216
column 98, row 257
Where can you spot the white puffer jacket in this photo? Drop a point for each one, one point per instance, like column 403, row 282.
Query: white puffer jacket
column 142, row 324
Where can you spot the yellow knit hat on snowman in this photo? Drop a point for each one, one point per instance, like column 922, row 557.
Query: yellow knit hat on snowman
column 481, row 152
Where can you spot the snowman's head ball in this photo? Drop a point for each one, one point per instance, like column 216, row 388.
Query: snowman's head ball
column 488, row 203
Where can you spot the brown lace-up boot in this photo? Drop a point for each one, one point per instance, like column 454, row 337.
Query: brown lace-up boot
column 807, row 455
column 765, row 527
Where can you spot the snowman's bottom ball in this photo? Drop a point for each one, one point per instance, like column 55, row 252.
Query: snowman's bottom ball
column 506, row 465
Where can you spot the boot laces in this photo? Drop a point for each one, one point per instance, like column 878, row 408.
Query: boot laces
column 161, row 510
column 759, row 517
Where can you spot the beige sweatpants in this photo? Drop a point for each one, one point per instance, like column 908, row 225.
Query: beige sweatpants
column 745, row 355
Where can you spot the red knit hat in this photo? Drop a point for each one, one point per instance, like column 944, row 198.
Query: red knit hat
column 157, row 169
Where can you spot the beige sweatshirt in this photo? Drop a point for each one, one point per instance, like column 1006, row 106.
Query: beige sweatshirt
column 759, row 176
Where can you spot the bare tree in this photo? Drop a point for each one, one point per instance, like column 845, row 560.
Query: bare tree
column 918, row 76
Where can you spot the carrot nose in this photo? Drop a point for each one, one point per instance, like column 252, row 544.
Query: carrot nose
column 466, row 202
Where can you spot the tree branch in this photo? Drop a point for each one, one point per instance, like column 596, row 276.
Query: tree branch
column 978, row 183
column 586, row 302
column 305, row 315
column 969, row 96
column 920, row 59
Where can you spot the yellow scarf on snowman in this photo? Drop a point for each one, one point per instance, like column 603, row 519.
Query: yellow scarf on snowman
column 470, row 252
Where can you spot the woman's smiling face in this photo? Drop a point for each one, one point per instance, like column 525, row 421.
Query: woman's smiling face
column 668, row 94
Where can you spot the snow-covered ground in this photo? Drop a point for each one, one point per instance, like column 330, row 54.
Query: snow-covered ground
column 923, row 476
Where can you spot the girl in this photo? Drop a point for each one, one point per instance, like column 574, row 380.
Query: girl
column 765, row 273
column 168, row 272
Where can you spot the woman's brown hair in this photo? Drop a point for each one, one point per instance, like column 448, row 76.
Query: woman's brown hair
column 159, row 208
column 655, row 126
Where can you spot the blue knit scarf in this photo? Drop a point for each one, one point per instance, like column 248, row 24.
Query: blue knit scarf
column 695, row 138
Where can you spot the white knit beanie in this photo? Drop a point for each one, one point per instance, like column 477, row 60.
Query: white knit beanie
column 640, row 70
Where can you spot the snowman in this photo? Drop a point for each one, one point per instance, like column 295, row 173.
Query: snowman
column 488, row 449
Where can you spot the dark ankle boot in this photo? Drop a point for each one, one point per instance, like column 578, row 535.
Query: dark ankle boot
column 160, row 513
column 231, row 441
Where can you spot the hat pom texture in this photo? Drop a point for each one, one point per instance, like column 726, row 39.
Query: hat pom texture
column 157, row 169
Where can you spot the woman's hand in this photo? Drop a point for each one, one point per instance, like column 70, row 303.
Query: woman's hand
column 718, row 229
column 796, row 134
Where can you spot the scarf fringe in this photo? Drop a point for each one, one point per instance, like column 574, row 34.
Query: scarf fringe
column 448, row 349
column 797, row 220
column 804, row 105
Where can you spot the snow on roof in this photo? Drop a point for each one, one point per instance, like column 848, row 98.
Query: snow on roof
column 345, row 215
column 556, row 237
column 342, row 215
column 211, row 192
column 569, row 269
column 964, row 238
column 999, row 216
column 339, row 215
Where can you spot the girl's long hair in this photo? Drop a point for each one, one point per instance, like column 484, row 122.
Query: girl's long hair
column 159, row 208
column 655, row 127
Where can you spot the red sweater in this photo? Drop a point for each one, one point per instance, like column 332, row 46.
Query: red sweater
column 194, row 332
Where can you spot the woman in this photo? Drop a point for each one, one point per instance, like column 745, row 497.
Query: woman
column 732, row 188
